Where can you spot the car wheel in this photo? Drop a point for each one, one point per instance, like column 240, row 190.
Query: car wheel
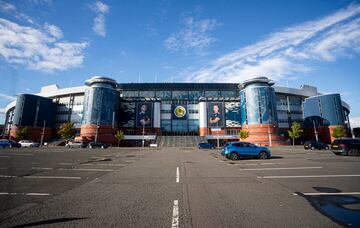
column 312, row 148
column 10, row 146
column 68, row 146
column 102, row 147
column 263, row 155
column 326, row 148
column 351, row 152
column 90, row 147
column 234, row 156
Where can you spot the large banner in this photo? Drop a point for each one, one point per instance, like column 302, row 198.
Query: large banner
column 216, row 116
column 144, row 114
column 232, row 114
column 179, row 112
column 127, row 114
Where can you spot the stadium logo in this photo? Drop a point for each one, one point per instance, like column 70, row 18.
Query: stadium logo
column 179, row 111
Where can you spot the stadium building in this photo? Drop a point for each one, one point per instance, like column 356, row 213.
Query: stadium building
column 156, row 112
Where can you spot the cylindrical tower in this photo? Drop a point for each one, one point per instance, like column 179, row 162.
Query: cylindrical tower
column 258, row 111
column 202, row 118
column 100, row 110
column 36, row 114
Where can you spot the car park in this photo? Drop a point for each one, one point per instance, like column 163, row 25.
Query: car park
column 11, row 142
column 97, row 145
column 205, row 145
column 28, row 143
column 313, row 144
column 350, row 147
column 236, row 150
column 75, row 144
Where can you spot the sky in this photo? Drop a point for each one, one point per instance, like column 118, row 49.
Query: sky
column 65, row 42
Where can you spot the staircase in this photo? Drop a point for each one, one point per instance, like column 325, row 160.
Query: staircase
column 178, row 141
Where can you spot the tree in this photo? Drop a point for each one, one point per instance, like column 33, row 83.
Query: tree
column 339, row 132
column 67, row 131
column 119, row 136
column 22, row 133
column 243, row 134
column 295, row 132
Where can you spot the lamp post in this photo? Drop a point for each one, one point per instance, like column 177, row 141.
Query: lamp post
column 42, row 134
column 143, row 134
column 316, row 134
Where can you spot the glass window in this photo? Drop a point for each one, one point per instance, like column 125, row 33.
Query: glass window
column 194, row 95
column 212, row 94
column 130, row 93
column 179, row 126
column 165, row 125
column 229, row 93
column 146, row 94
column 194, row 126
column 164, row 94
column 181, row 95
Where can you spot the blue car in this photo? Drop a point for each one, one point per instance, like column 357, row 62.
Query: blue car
column 4, row 144
column 205, row 145
column 236, row 150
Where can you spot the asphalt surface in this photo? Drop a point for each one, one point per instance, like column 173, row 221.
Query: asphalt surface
column 176, row 187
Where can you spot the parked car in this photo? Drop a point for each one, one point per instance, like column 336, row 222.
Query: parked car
column 28, row 143
column 313, row 144
column 97, row 145
column 11, row 142
column 75, row 144
column 4, row 144
column 205, row 145
column 236, row 150
column 349, row 147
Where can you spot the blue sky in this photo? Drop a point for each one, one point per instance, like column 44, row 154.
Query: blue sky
column 65, row 42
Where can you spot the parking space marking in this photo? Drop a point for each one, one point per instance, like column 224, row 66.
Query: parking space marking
column 89, row 164
column 177, row 175
column 65, row 163
column 7, row 176
column 309, row 176
column 41, row 168
column 326, row 193
column 283, row 168
column 51, row 177
column 175, row 217
column 89, row 170
column 25, row 194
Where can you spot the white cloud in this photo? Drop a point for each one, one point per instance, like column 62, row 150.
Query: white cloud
column 284, row 53
column 39, row 48
column 100, row 9
column 355, row 122
column 194, row 36
column 99, row 25
column 6, row 97
column 6, row 7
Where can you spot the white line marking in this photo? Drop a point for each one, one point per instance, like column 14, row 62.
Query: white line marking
column 20, row 154
column 50, row 177
column 249, row 164
column 130, row 161
column 287, row 168
column 6, row 176
column 25, row 194
column 91, row 170
column 269, row 163
column 177, row 175
column 327, row 193
column 4, row 156
column 309, row 176
column 65, row 163
column 175, row 218
column 41, row 168
column 89, row 164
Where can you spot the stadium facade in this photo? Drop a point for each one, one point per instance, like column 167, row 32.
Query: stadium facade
column 148, row 110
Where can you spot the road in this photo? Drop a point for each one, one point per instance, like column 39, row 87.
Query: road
column 176, row 187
